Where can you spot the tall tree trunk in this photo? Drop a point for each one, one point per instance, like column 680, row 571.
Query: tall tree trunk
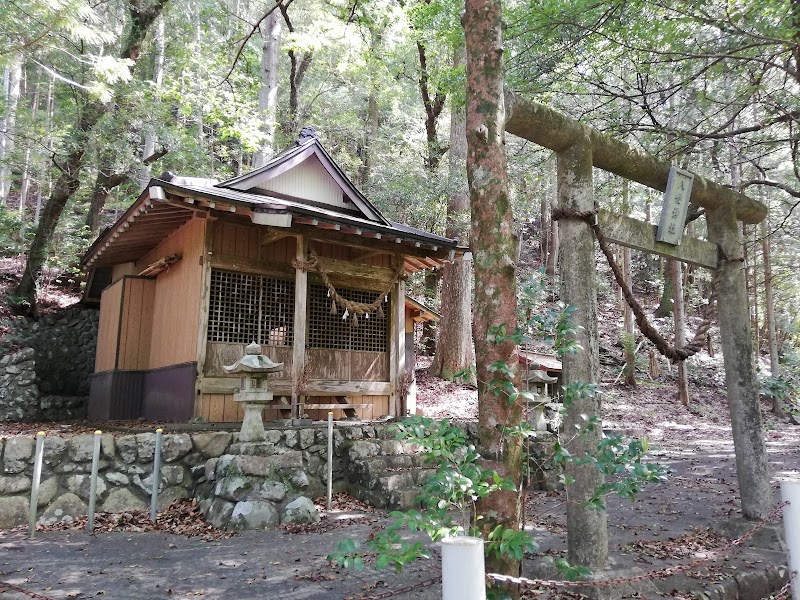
column 104, row 184
column 756, row 330
column 150, row 139
column 297, row 72
column 25, row 180
column 68, row 182
column 679, row 320
column 454, row 349
column 627, row 311
column 769, row 315
column 44, row 175
column 370, row 121
column 268, row 92
column 667, row 300
column 433, row 103
column 493, row 244
column 428, row 344
column 8, row 133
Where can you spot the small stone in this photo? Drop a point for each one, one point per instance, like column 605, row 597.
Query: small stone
column 146, row 446
column 306, row 438
column 219, row 513
column 260, row 466
column 107, row 446
column 117, row 478
column 175, row 446
column 80, row 485
column 122, row 500
column 169, row 495
column 299, row 480
column 14, row 484
column 212, row 445
column 175, row 475
column 253, row 514
column 300, row 510
column 65, row 508
column 291, row 438
column 13, row 511
column 54, row 450
column 271, row 490
column 362, row 450
column 80, row 448
column 211, row 469
column 273, row 436
column 235, row 487
column 48, row 490
column 126, row 448
column 17, row 453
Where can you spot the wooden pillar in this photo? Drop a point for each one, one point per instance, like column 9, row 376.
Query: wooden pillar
column 202, row 329
column 300, row 326
column 740, row 376
column 397, row 348
column 587, row 528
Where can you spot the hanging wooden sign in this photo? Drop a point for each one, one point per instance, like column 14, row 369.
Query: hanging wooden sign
column 676, row 204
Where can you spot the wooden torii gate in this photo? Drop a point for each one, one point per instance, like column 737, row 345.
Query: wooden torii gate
column 578, row 148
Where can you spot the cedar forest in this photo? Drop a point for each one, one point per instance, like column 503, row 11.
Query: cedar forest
column 100, row 96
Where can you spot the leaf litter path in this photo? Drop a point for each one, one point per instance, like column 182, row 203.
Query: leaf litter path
column 670, row 524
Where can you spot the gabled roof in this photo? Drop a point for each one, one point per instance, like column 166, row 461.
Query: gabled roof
column 170, row 201
column 295, row 156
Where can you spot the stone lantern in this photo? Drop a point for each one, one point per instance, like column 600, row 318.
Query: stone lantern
column 537, row 382
column 253, row 369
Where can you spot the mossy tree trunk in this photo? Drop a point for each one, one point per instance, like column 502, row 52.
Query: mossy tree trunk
column 494, row 247
column 454, row 349
column 89, row 113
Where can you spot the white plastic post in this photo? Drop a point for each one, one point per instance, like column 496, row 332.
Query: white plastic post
column 790, row 492
column 330, row 461
column 93, row 480
column 37, row 476
column 156, row 476
column 463, row 571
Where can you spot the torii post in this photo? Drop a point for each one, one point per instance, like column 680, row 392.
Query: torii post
column 580, row 147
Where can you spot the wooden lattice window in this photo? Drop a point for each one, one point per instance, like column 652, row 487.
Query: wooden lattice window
column 245, row 308
column 328, row 330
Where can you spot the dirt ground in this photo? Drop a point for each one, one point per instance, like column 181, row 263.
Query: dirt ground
column 684, row 519
column 681, row 520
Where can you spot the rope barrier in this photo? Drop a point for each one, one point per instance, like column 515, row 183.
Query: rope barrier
column 16, row 588
column 350, row 307
column 657, row 574
column 700, row 337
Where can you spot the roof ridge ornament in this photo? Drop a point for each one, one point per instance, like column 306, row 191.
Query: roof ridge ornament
column 307, row 133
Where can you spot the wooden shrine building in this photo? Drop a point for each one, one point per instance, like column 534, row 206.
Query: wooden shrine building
column 290, row 255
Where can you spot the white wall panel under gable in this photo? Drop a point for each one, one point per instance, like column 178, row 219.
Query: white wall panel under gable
column 310, row 181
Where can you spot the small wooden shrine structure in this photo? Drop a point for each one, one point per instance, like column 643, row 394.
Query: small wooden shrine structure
column 290, row 255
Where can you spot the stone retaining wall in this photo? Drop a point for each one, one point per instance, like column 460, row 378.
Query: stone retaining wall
column 46, row 377
column 238, row 485
column 224, row 475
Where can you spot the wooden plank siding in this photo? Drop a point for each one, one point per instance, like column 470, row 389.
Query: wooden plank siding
column 176, row 309
column 248, row 248
column 108, row 328
column 135, row 327
column 222, row 408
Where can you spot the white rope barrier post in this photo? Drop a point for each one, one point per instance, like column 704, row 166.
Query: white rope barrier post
column 463, row 570
column 156, row 476
column 330, row 461
column 790, row 492
column 37, row 477
column 93, row 480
